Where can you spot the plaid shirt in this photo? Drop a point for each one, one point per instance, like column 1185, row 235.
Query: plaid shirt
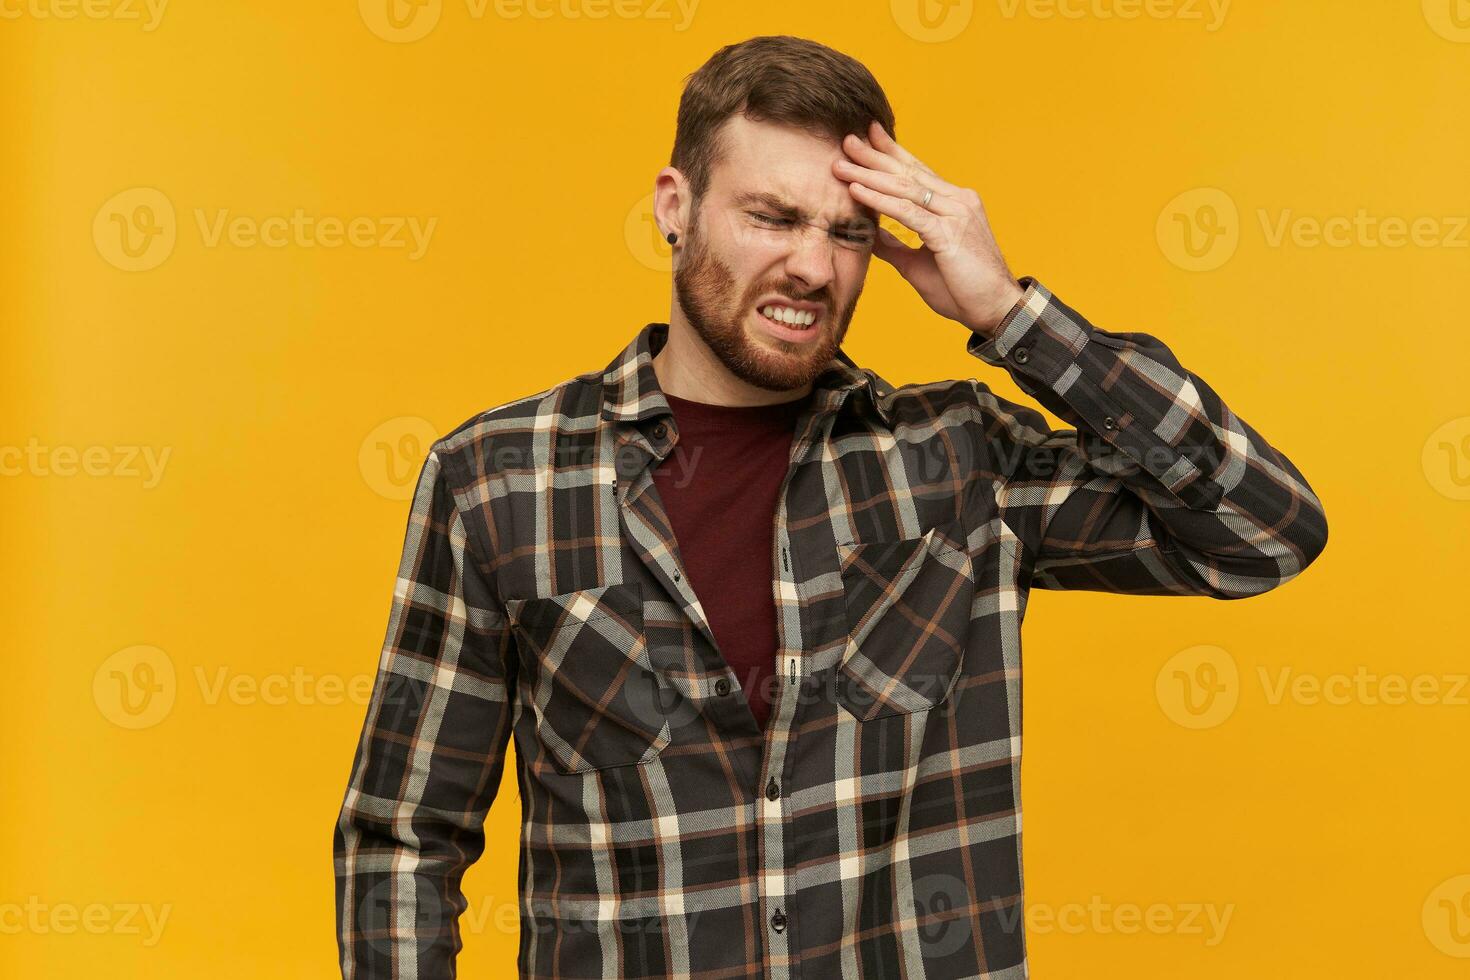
column 873, row 830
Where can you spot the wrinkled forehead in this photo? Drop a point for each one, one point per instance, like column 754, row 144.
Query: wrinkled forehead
column 784, row 168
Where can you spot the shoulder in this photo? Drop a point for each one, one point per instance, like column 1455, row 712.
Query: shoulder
column 962, row 417
column 492, row 439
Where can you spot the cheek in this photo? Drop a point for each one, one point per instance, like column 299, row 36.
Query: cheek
column 850, row 278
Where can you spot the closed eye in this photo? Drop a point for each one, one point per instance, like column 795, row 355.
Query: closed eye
column 771, row 220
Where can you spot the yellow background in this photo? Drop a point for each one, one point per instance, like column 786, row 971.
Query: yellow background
column 294, row 389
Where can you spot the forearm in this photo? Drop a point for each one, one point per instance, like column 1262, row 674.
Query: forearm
column 431, row 750
column 1229, row 513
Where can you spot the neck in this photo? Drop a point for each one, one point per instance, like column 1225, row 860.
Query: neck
column 687, row 368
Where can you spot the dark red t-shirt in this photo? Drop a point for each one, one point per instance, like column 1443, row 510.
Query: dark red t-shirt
column 720, row 486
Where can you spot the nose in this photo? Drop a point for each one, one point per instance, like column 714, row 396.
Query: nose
column 810, row 260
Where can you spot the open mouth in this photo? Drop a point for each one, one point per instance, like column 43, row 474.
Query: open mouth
column 789, row 322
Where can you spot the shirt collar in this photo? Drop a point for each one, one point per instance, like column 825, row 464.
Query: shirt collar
column 630, row 390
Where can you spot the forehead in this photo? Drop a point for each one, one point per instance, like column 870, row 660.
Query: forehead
column 790, row 163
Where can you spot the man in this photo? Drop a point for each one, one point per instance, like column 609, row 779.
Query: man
column 751, row 614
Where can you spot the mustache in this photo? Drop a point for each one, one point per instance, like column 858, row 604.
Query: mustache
column 820, row 296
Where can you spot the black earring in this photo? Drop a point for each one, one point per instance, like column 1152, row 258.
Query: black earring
column 672, row 238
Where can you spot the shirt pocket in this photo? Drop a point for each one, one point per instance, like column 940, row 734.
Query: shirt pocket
column 594, row 692
column 908, row 612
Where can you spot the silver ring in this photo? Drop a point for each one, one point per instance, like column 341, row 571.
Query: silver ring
column 927, row 195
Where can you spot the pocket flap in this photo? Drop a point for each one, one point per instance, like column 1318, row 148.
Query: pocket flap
column 908, row 609
column 594, row 691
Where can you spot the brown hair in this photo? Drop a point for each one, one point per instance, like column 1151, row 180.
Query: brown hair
column 778, row 79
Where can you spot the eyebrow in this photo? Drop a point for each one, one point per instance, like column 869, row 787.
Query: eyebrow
column 786, row 209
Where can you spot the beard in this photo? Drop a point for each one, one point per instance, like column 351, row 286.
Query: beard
column 708, row 297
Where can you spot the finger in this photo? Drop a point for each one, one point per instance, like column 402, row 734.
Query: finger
column 921, row 221
column 880, row 138
column 865, row 153
column 907, row 187
column 875, row 158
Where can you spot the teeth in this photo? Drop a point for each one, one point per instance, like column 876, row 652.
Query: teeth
column 785, row 314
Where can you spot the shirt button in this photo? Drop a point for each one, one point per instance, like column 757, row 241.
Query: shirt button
column 660, row 430
column 778, row 921
column 773, row 792
column 1108, row 423
column 1021, row 355
column 722, row 687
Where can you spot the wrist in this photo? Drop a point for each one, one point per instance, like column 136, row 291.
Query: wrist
column 1010, row 297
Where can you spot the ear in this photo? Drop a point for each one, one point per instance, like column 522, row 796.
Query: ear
column 670, row 202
